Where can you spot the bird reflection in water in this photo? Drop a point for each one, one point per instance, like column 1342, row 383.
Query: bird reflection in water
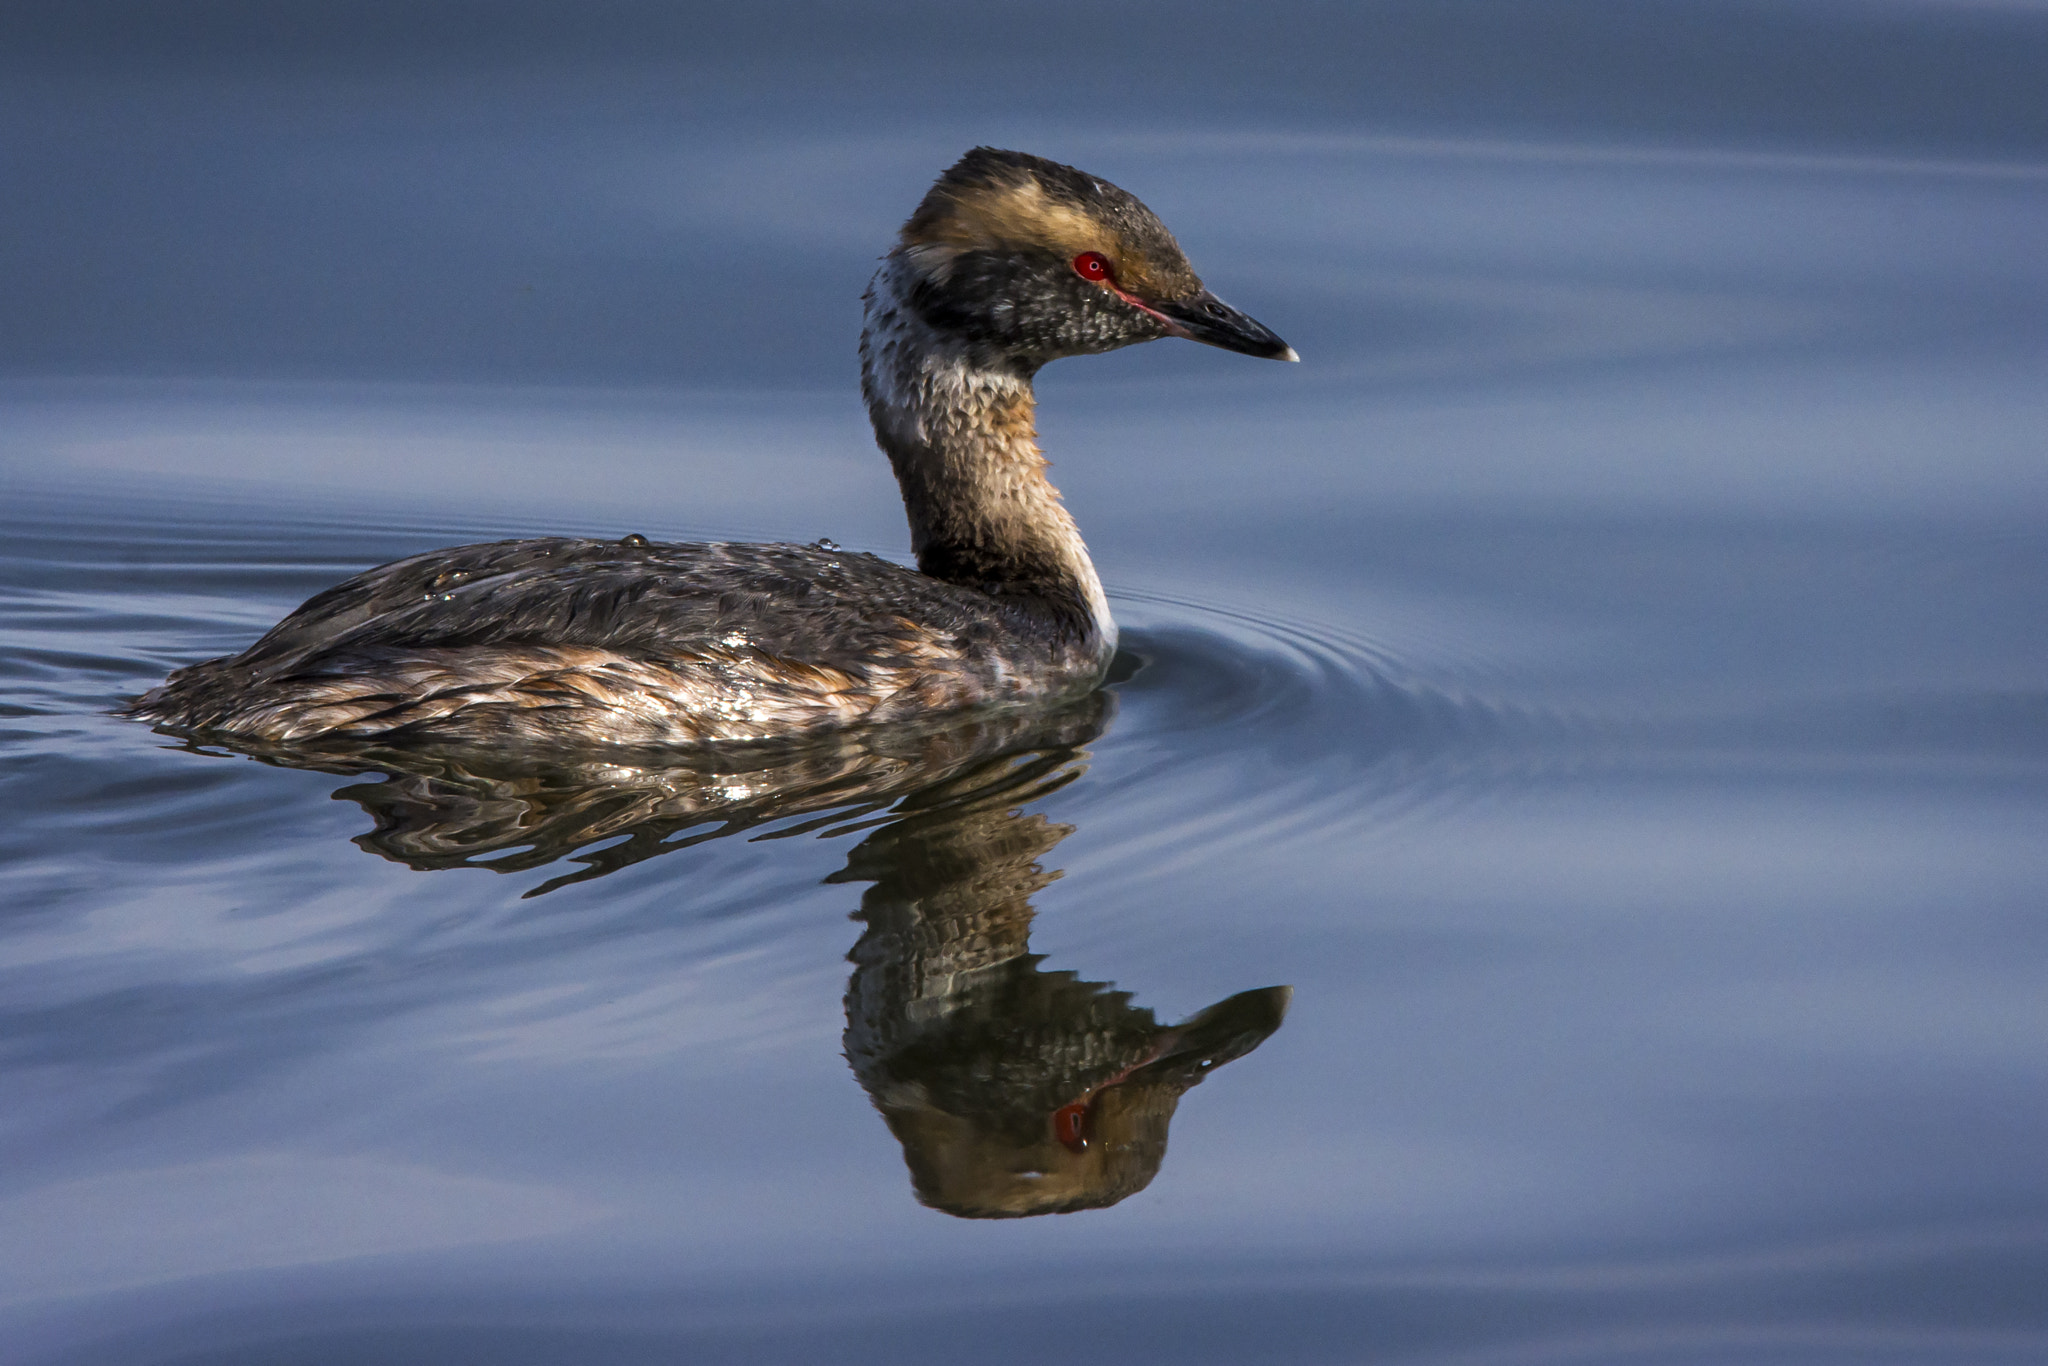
column 1013, row 1090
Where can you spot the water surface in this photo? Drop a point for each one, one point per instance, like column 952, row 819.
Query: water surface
column 1605, row 682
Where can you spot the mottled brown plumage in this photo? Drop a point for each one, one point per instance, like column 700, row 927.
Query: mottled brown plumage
column 627, row 642
column 656, row 643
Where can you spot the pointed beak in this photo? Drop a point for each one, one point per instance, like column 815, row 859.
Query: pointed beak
column 1206, row 318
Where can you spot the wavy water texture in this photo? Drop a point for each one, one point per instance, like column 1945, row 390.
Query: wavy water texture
column 220, row 967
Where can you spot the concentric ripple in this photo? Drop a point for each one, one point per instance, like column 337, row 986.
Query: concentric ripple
column 1264, row 727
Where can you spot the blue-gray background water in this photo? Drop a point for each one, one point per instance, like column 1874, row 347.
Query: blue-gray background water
column 1608, row 679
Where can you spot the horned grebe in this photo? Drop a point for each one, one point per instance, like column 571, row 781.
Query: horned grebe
column 1009, row 262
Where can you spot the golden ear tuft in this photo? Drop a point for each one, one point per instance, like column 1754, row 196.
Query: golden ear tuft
column 995, row 200
column 1019, row 214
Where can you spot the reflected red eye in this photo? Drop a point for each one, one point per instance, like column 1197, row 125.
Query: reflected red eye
column 1092, row 265
column 1070, row 1123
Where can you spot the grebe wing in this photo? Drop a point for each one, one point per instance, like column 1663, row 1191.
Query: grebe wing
column 651, row 600
column 611, row 641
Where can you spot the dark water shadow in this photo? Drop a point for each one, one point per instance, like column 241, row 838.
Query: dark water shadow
column 1013, row 1090
column 516, row 810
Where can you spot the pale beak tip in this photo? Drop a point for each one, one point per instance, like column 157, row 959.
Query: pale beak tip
column 1289, row 354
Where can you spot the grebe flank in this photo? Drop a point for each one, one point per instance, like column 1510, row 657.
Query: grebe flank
column 1009, row 262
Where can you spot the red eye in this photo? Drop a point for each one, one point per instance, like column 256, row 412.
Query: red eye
column 1092, row 265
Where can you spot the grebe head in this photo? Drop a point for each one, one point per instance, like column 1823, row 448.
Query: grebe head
column 1023, row 260
column 1009, row 262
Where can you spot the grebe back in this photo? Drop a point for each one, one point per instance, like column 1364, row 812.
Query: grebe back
column 1009, row 262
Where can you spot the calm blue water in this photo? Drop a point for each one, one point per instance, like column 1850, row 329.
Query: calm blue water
column 1607, row 681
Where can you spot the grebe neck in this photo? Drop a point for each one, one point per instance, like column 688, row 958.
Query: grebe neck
column 956, row 421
